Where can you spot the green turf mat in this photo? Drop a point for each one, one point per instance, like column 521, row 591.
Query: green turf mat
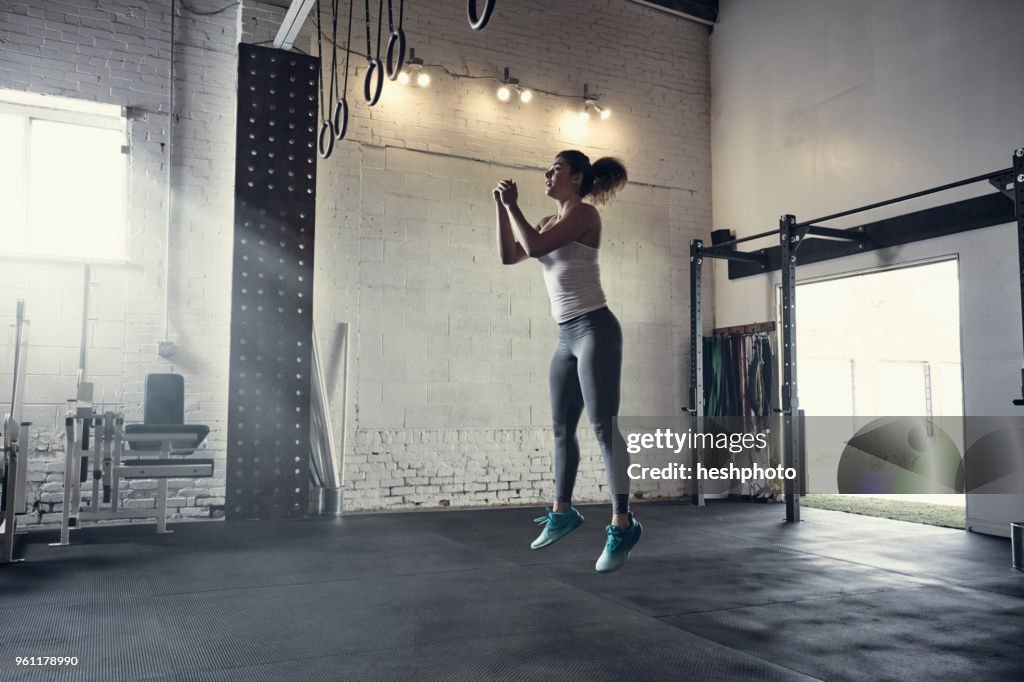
column 915, row 512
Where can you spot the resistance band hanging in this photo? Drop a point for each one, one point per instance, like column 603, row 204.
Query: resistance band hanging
column 396, row 42
column 339, row 119
column 374, row 80
column 478, row 19
column 325, row 138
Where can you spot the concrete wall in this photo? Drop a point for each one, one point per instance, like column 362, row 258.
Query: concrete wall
column 824, row 106
column 446, row 391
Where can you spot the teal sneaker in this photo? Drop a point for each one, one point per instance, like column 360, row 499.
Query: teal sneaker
column 556, row 526
column 620, row 542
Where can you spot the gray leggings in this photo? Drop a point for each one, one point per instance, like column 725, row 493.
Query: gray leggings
column 586, row 370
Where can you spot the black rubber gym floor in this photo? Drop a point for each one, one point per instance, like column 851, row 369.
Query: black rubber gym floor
column 725, row 592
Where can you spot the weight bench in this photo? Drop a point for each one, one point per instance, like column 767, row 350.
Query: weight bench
column 164, row 433
column 161, row 438
column 160, row 446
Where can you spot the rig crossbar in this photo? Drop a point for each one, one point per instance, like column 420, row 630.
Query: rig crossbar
column 819, row 242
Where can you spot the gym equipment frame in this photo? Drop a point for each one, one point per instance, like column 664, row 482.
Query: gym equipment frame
column 820, row 243
column 15, row 442
column 103, row 436
column 107, row 448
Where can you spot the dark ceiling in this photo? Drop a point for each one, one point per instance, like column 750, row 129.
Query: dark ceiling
column 702, row 9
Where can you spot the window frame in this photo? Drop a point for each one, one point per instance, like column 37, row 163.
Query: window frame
column 30, row 107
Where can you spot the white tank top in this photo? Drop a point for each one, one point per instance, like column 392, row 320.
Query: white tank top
column 573, row 279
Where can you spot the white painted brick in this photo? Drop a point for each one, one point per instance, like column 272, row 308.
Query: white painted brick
column 426, row 277
column 405, row 207
column 50, row 331
column 418, row 174
column 404, row 393
column 430, row 322
column 425, row 232
column 469, row 323
column 371, row 250
column 444, row 346
column 429, row 369
column 427, row 186
column 427, row 416
column 448, row 393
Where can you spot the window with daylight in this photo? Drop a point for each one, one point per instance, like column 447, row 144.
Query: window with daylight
column 63, row 178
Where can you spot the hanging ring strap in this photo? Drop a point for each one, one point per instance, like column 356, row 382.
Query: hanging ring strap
column 339, row 119
column 478, row 18
column 396, row 43
column 334, row 63
column 396, row 53
column 374, row 81
column 325, row 139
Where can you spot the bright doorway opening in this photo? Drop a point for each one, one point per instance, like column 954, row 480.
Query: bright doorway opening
column 883, row 343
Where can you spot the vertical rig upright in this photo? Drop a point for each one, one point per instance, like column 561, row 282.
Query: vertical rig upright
column 1018, row 203
column 696, row 361
column 789, row 240
column 826, row 244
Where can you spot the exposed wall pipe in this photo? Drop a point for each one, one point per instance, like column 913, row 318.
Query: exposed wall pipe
column 83, row 349
column 18, row 377
column 170, row 177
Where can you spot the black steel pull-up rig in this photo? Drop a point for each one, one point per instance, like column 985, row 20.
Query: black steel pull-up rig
column 817, row 242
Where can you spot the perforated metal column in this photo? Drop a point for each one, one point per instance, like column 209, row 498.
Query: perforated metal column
column 272, row 285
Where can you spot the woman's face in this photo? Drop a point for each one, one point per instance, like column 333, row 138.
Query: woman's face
column 559, row 181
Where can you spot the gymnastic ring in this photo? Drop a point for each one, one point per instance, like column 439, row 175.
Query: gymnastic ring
column 328, row 139
column 339, row 119
column 478, row 22
column 373, row 69
column 394, row 68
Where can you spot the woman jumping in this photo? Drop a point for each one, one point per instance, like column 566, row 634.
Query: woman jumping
column 587, row 365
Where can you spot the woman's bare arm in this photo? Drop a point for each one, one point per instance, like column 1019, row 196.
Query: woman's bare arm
column 509, row 249
column 573, row 224
column 576, row 222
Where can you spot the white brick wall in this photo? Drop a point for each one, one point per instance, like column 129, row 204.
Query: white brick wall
column 119, row 52
column 448, row 349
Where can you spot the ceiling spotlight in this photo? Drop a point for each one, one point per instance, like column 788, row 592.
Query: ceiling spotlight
column 415, row 68
column 590, row 104
column 508, row 84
